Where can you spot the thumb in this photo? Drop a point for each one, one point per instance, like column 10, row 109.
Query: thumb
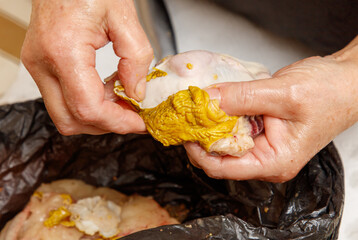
column 257, row 97
column 131, row 44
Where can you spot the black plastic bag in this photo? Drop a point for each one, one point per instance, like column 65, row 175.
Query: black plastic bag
column 32, row 151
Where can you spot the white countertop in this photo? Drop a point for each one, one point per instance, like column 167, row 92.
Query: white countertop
column 202, row 25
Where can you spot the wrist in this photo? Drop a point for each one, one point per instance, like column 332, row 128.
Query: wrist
column 348, row 58
column 348, row 53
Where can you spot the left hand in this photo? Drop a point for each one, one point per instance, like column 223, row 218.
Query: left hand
column 59, row 52
column 304, row 106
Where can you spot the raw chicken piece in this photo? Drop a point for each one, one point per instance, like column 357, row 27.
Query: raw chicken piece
column 140, row 213
column 92, row 215
column 43, row 219
column 176, row 110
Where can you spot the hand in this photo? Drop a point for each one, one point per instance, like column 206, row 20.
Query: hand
column 305, row 105
column 59, row 52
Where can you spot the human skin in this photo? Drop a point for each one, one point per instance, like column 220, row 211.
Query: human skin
column 59, row 52
column 304, row 106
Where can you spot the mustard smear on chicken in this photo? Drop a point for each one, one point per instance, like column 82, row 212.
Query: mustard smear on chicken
column 72, row 210
column 190, row 116
column 176, row 109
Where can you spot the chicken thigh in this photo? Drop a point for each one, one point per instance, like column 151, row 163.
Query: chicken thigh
column 176, row 109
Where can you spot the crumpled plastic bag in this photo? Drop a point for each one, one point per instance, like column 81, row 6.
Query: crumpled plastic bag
column 32, row 151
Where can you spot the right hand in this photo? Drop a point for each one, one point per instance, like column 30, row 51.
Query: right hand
column 59, row 52
column 304, row 106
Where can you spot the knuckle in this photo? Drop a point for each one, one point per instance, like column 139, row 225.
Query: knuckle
column 52, row 51
column 49, row 52
column 42, row 51
column 65, row 124
column 245, row 95
column 66, row 131
column 279, row 177
column 213, row 172
column 144, row 53
column 295, row 99
column 85, row 115
column 122, row 130
column 25, row 55
column 213, row 175
column 65, row 128
column 28, row 55
column 287, row 176
column 123, row 125
column 55, row 48
column 287, row 171
column 281, row 167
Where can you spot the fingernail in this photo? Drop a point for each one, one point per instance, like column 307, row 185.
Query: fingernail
column 140, row 89
column 214, row 93
column 113, row 76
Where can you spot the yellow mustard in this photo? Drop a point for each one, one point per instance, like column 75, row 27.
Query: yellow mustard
column 67, row 199
column 188, row 115
column 37, row 194
column 57, row 216
column 156, row 73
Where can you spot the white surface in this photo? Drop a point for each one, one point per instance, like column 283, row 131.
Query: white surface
column 202, row 25
column 22, row 89
column 19, row 10
column 347, row 145
column 8, row 71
